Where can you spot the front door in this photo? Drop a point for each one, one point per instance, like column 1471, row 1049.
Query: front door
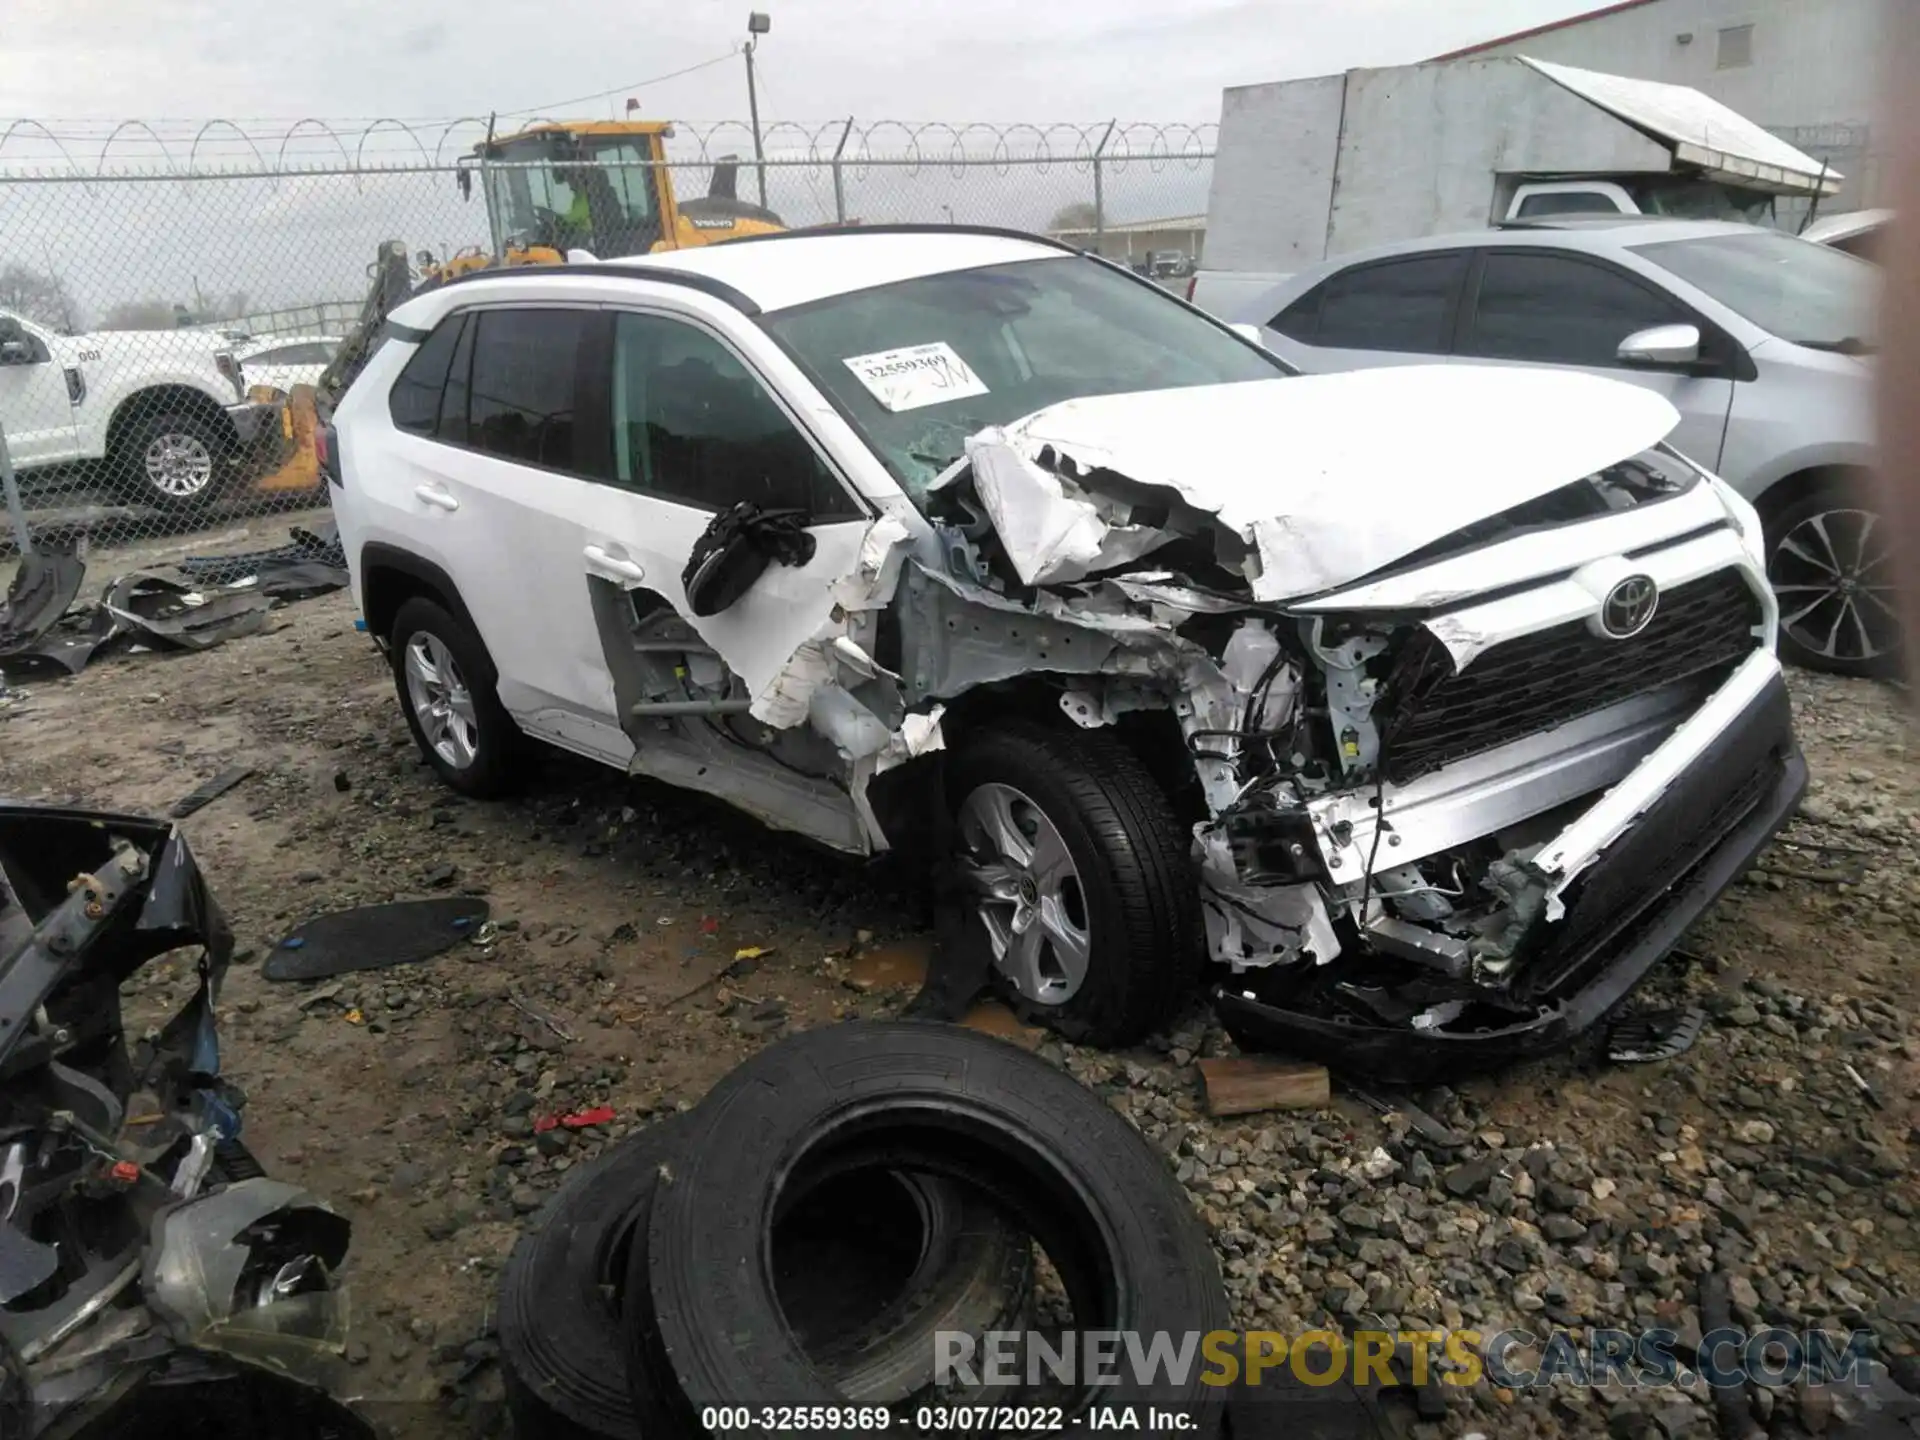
column 1542, row 307
column 35, row 412
column 695, row 432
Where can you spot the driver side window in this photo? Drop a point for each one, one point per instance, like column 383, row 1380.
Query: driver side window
column 692, row 424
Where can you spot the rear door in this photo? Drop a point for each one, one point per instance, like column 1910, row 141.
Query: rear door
column 693, row 430
column 1553, row 307
column 508, row 486
column 1384, row 312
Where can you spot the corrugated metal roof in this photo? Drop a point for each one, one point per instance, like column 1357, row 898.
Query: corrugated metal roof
column 1702, row 131
column 1545, row 29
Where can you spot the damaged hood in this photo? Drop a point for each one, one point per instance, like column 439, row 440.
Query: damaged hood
column 1324, row 478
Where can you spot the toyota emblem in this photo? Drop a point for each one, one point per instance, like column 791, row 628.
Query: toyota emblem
column 1629, row 606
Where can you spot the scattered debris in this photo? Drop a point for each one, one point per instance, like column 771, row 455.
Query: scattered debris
column 374, row 937
column 535, row 1013
column 208, row 791
column 312, row 565
column 1862, row 1086
column 578, row 1120
column 1641, row 1036
column 1243, row 1086
column 161, row 1259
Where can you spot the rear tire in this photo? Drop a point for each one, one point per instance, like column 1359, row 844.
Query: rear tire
column 1131, row 907
column 172, row 460
column 1830, row 563
column 448, row 691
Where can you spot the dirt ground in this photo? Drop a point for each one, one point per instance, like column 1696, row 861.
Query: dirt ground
column 609, row 975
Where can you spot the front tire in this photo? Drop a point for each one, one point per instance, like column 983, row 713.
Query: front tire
column 447, row 687
column 173, row 460
column 1830, row 562
column 1082, row 878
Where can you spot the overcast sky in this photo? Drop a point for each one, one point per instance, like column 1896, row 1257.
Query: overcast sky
column 914, row 59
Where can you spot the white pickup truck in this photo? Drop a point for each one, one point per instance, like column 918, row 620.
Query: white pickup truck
column 164, row 411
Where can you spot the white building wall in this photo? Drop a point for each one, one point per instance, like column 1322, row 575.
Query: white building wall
column 1815, row 62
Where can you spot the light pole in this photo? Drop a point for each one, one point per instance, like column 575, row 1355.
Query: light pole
column 758, row 24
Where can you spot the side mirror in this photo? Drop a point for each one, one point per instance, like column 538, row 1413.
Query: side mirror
column 1661, row 345
column 736, row 549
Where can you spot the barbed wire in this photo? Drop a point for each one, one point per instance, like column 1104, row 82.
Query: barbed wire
column 188, row 148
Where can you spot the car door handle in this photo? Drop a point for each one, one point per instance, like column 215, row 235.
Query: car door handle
column 434, row 495
column 614, row 564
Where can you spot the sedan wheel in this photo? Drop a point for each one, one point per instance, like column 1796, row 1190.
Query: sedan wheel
column 1030, row 899
column 441, row 701
column 1832, row 571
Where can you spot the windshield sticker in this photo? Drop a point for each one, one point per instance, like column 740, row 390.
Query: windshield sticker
column 916, row 375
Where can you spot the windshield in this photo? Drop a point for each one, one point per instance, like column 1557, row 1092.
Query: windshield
column 919, row 365
column 1806, row 293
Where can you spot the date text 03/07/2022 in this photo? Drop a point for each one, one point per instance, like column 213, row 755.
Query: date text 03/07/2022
column 944, row 1419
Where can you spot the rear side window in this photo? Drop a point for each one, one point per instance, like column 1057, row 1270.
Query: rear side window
column 414, row 402
column 1398, row 305
column 522, row 384
column 1543, row 306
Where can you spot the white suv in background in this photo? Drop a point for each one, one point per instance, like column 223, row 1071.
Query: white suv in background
column 1762, row 341
column 1429, row 705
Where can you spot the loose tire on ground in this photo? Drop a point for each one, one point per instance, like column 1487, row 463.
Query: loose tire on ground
column 1138, row 895
column 560, row 1349
column 703, row 1325
column 491, row 764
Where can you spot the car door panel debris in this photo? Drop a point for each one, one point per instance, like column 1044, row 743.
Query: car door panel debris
column 204, row 1257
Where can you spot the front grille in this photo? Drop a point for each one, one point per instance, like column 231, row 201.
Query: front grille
column 1431, row 715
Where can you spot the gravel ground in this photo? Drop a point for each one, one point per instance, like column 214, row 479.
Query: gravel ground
column 1581, row 1194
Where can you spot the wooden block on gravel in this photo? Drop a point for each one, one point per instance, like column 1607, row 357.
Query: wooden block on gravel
column 1240, row 1087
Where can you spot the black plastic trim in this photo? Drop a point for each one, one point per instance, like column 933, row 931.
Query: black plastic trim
column 706, row 284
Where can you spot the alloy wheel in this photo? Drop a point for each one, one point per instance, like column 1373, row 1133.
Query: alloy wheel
column 1834, row 580
column 178, row 464
column 441, row 701
column 1027, row 892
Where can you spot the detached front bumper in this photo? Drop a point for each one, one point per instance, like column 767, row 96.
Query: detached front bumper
column 1655, row 865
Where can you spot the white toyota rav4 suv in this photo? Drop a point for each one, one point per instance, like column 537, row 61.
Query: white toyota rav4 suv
column 1428, row 705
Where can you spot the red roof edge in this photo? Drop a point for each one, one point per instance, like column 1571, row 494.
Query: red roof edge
column 1548, row 28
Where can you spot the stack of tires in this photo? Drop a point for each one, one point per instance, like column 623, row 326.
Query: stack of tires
column 834, row 1204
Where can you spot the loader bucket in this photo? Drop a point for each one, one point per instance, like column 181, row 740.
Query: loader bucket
column 297, row 464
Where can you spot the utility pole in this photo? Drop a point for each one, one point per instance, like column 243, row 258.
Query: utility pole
column 758, row 24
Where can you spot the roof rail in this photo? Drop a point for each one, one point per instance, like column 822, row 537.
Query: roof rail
column 718, row 289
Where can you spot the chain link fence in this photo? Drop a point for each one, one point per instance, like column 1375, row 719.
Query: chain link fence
column 153, row 317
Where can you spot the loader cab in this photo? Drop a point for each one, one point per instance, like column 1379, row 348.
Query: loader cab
column 599, row 187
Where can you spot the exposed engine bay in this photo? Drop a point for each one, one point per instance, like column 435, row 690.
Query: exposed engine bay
column 141, row 1248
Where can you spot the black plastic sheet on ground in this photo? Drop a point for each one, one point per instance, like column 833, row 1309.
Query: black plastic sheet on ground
column 312, row 565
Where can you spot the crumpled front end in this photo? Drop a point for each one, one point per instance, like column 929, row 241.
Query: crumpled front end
column 1453, row 808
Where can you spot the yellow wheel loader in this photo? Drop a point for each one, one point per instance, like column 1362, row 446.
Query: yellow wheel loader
column 602, row 186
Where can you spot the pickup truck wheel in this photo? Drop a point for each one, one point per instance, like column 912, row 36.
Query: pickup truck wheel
column 446, row 683
column 1830, row 562
column 1081, row 877
column 174, row 460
